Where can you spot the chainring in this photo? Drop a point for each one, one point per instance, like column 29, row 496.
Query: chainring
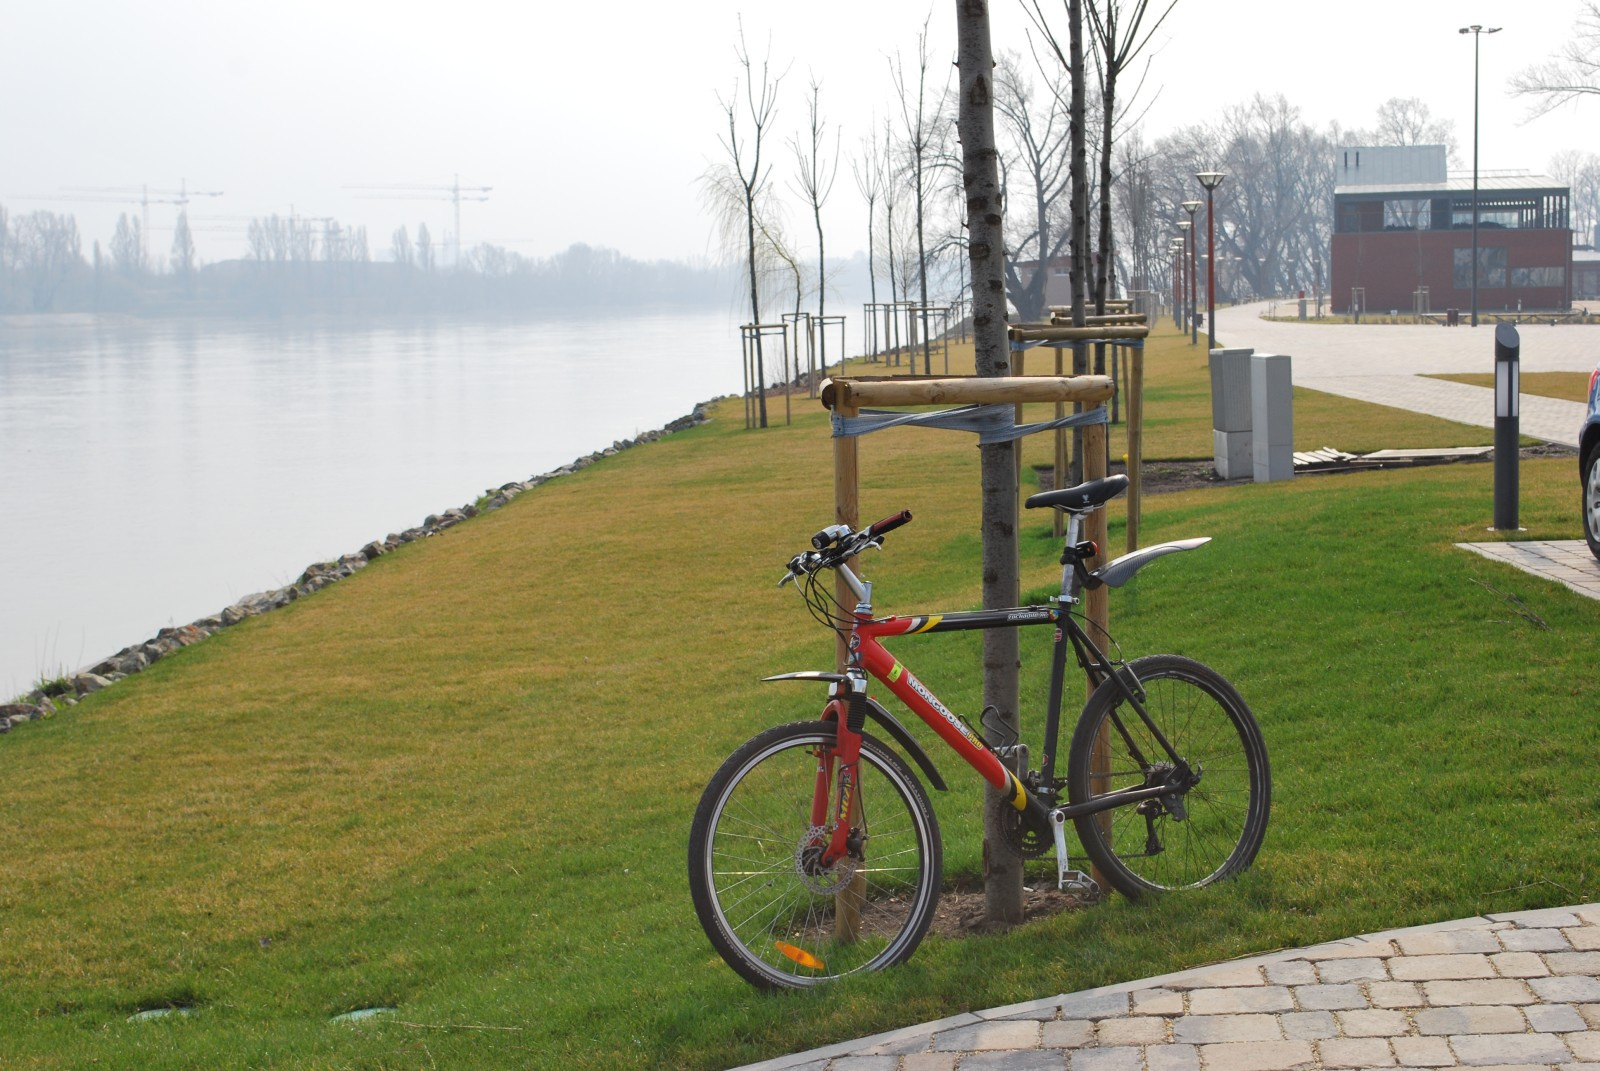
column 1030, row 842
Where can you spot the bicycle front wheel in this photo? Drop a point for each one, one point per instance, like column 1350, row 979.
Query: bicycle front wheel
column 777, row 915
column 1208, row 830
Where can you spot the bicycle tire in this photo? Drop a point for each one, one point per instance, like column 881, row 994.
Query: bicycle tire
column 762, row 912
column 1145, row 848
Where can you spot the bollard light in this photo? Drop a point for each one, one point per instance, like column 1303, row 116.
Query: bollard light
column 1507, row 376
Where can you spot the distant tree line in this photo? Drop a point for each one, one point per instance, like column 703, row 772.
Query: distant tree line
column 1273, row 209
column 296, row 265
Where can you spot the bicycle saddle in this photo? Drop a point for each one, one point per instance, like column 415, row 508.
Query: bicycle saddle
column 1082, row 498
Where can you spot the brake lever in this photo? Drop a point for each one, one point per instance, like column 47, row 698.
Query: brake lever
column 801, row 565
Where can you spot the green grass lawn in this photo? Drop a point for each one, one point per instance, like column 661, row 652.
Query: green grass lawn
column 459, row 784
column 1568, row 386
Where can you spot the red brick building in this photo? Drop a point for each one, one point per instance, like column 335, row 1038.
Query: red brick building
column 1402, row 235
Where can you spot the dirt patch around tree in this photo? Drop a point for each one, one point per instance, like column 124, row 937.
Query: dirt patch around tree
column 960, row 910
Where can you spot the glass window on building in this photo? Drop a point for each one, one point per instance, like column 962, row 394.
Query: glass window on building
column 1491, row 267
column 1402, row 214
column 1538, row 277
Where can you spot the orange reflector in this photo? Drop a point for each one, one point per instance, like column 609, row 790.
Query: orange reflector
column 801, row 956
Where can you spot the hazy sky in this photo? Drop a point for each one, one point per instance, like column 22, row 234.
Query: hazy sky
column 592, row 121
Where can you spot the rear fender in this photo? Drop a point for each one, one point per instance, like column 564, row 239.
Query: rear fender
column 877, row 713
column 1116, row 573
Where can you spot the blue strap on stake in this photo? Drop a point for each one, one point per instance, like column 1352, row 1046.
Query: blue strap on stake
column 992, row 423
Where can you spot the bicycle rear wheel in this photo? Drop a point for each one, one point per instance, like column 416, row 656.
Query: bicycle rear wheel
column 1211, row 830
column 778, row 917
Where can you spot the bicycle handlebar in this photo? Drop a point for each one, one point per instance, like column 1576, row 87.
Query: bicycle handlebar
column 838, row 543
column 890, row 523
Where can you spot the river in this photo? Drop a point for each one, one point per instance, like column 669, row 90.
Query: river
column 153, row 473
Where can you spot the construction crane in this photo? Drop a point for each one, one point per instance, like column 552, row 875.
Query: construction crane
column 455, row 193
column 143, row 196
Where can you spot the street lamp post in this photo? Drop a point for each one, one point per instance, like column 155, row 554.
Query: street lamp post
column 1192, row 207
column 1476, row 32
column 1211, row 180
column 1186, row 236
column 1176, row 249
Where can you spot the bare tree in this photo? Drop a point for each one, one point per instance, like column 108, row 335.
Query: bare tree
column 867, row 168
column 127, row 247
column 892, row 194
column 920, row 120
column 48, row 251
column 425, row 253
column 1071, row 60
column 1142, row 241
column 1034, row 174
column 1580, row 173
column 183, row 252
column 1573, row 73
column 814, row 174
column 1120, row 33
column 749, row 116
column 1407, row 121
column 400, row 248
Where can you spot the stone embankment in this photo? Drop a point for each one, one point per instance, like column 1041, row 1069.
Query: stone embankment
column 46, row 699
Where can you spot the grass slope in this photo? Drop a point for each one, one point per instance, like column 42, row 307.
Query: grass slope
column 459, row 784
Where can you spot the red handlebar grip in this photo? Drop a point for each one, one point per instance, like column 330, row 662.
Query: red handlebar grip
column 890, row 523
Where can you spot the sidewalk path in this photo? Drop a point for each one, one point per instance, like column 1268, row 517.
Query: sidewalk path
column 1519, row 990
column 1389, row 365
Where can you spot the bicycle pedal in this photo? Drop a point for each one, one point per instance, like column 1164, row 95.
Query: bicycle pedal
column 1068, row 879
column 1076, row 881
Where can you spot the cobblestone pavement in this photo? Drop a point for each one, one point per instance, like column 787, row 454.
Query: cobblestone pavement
column 1390, row 365
column 1566, row 561
column 1517, row 991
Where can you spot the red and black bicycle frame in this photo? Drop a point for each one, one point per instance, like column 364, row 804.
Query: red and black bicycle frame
column 850, row 708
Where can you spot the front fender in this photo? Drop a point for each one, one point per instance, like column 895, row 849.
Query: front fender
column 877, row 713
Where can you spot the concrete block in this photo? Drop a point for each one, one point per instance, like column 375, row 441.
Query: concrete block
column 1230, row 389
column 1271, row 418
column 1232, row 454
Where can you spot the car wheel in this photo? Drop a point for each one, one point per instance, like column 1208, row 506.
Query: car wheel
column 1591, row 500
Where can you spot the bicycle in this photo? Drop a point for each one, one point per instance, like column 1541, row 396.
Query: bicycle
column 814, row 851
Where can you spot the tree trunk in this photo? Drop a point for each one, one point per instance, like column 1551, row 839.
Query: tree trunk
column 986, row 254
column 755, row 304
column 1080, row 208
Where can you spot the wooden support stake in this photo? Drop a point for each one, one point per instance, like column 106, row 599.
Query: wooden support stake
column 1135, row 443
column 1096, row 601
column 1099, row 333
column 837, row 394
column 1058, row 519
column 846, row 510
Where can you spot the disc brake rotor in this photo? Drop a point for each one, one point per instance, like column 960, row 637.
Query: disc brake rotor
column 819, row 879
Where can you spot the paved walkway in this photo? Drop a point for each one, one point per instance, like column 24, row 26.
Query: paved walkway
column 1566, row 561
column 1503, row 991
column 1390, row 364
column 1500, row 992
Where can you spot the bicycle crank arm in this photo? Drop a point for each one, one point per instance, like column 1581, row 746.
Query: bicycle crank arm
column 1068, row 879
